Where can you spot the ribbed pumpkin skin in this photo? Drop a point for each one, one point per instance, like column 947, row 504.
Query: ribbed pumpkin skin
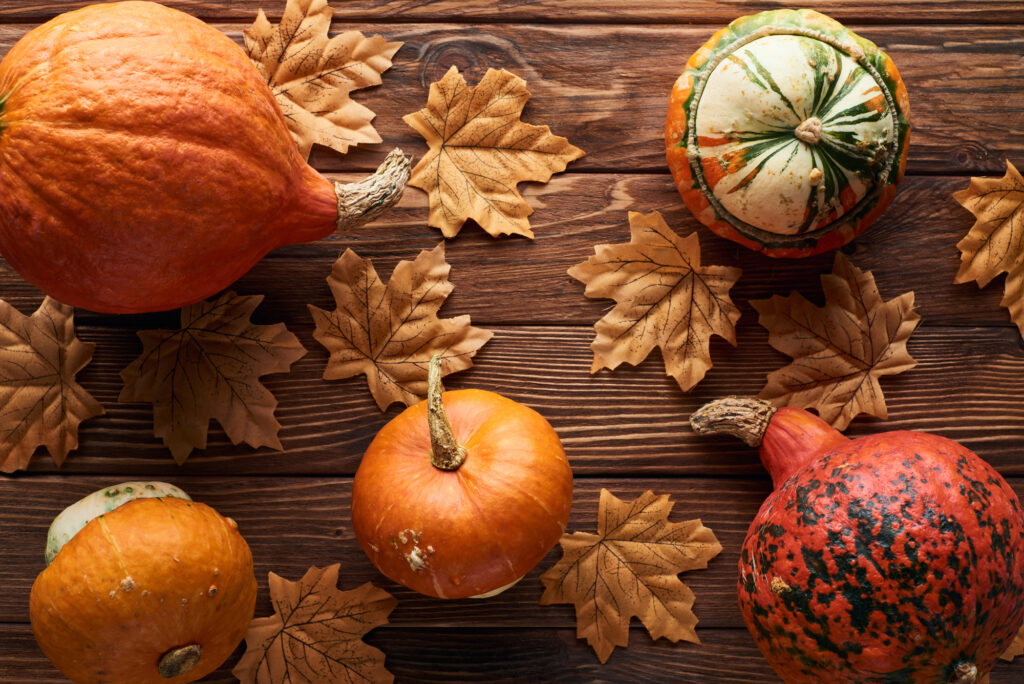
column 897, row 556
column 454, row 534
column 144, row 164
column 191, row 582
column 750, row 157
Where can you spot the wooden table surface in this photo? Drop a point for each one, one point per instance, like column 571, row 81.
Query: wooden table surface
column 600, row 74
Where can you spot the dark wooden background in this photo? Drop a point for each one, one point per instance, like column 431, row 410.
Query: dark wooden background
column 600, row 74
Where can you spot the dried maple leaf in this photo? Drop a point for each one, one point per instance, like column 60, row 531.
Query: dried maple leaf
column 211, row 369
column 479, row 152
column 839, row 350
column 665, row 299
column 312, row 77
column 390, row 332
column 315, row 633
column 1016, row 648
column 40, row 402
column 995, row 243
column 630, row 567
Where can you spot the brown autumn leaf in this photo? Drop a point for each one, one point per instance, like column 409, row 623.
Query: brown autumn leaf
column 1016, row 648
column 312, row 76
column 41, row 404
column 210, row 368
column 839, row 350
column 480, row 150
column 665, row 299
column 995, row 243
column 315, row 634
column 390, row 332
column 630, row 567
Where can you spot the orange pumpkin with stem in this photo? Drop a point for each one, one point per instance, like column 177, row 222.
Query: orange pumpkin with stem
column 145, row 586
column 145, row 164
column 462, row 494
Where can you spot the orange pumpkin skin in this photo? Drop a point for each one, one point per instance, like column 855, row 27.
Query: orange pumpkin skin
column 144, row 164
column 464, row 532
column 150, row 576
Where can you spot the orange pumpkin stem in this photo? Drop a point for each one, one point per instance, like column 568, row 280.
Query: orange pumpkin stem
column 446, row 452
column 178, row 661
column 362, row 202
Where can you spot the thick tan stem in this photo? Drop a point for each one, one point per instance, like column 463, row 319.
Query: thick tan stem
column 809, row 130
column 178, row 661
column 964, row 673
column 744, row 417
column 362, row 202
column 446, row 452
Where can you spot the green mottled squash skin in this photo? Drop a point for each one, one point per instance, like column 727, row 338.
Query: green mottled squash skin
column 896, row 557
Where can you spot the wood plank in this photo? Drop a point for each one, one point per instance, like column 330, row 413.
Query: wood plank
column 495, row 655
column 612, row 101
column 625, row 423
column 574, row 11
column 513, row 280
column 724, row 656
column 544, row 634
column 292, row 523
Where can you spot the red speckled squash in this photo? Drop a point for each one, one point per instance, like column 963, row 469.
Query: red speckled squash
column 897, row 557
column 462, row 494
column 145, row 165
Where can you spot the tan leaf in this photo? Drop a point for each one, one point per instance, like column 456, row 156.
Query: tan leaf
column 995, row 243
column 40, row 402
column 211, row 369
column 315, row 633
column 479, row 152
column 630, row 567
column 312, row 77
column 1016, row 648
column 839, row 350
column 390, row 332
column 665, row 299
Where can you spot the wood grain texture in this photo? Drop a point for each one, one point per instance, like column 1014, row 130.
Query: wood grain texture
column 478, row 644
column 599, row 87
column 511, row 280
column 600, row 74
column 494, row 655
column 574, row 11
column 630, row 422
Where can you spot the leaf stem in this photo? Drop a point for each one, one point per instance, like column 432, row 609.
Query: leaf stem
column 446, row 452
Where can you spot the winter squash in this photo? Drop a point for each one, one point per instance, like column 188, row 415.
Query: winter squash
column 896, row 557
column 462, row 494
column 145, row 165
column 142, row 585
column 787, row 133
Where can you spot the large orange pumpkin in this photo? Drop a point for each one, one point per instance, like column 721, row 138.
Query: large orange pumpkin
column 462, row 494
column 145, row 165
column 158, row 588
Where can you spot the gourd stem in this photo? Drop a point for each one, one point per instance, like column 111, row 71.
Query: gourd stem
column 362, row 202
column 965, row 672
column 178, row 661
column 809, row 130
column 446, row 452
column 746, row 418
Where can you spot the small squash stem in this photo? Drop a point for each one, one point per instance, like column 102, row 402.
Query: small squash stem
column 809, row 130
column 446, row 452
column 364, row 201
column 745, row 418
column 788, row 438
column 964, row 672
column 178, row 661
